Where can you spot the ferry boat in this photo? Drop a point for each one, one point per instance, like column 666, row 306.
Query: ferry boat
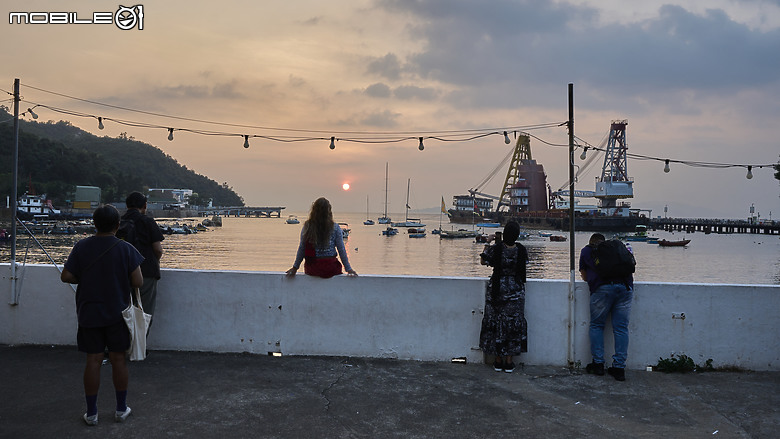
column 36, row 205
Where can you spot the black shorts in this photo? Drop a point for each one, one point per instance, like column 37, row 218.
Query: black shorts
column 95, row 340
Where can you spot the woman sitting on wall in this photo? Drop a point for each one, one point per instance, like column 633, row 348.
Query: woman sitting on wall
column 321, row 238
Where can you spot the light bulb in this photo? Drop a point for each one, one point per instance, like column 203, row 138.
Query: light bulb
column 332, row 143
column 32, row 113
column 246, row 141
column 666, row 166
column 584, row 154
column 750, row 173
column 170, row 133
column 506, row 138
column 100, row 123
column 421, row 147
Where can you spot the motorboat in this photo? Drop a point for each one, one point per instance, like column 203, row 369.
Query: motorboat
column 390, row 231
column 292, row 219
column 680, row 243
column 416, row 232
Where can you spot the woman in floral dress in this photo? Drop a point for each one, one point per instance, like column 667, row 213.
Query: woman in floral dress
column 504, row 328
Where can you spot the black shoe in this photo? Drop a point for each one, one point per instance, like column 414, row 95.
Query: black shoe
column 498, row 366
column 509, row 368
column 618, row 373
column 595, row 369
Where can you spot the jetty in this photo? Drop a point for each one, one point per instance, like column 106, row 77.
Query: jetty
column 245, row 211
column 689, row 225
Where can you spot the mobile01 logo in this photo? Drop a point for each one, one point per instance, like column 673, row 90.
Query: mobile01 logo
column 125, row 18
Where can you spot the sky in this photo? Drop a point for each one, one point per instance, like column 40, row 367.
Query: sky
column 697, row 81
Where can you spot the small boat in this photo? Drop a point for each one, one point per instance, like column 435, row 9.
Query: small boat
column 292, row 219
column 557, row 238
column 416, row 232
column 409, row 222
column 482, row 237
column 455, row 234
column 390, row 231
column 384, row 219
column 344, row 230
column 491, row 225
column 436, row 231
column 652, row 240
column 368, row 221
column 680, row 243
column 640, row 234
column 545, row 234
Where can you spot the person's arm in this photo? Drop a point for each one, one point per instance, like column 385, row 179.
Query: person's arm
column 136, row 278
column 157, row 249
column 298, row 257
column 68, row 277
column 339, row 241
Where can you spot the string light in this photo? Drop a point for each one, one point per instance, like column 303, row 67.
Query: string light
column 365, row 137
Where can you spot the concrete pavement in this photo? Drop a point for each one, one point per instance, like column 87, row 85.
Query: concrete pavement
column 207, row 395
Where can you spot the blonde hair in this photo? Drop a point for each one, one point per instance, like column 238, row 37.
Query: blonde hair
column 319, row 226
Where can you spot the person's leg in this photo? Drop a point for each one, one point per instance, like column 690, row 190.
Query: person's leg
column 91, row 341
column 118, row 340
column 149, row 296
column 621, row 311
column 92, row 378
column 599, row 309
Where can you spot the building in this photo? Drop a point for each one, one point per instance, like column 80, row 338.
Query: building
column 87, row 197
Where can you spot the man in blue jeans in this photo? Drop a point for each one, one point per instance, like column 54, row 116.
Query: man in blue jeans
column 607, row 296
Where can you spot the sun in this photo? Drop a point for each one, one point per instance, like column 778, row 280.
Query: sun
column 345, row 186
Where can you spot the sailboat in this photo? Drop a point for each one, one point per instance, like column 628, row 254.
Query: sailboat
column 409, row 222
column 384, row 219
column 368, row 221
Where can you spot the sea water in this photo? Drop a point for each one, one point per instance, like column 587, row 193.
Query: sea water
column 270, row 244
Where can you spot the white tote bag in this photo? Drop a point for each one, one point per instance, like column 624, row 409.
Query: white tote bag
column 138, row 324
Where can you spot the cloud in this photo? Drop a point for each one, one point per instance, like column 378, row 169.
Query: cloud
column 378, row 90
column 521, row 45
column 382, row 119
column 388, row 66
column 413, row 92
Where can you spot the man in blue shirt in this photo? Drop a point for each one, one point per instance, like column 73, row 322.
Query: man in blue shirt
column 607, row 296
column 105, row 268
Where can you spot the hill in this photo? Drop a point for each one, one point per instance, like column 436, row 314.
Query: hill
column 55, row 157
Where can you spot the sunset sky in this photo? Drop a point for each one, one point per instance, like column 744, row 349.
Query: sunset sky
column 697, row 81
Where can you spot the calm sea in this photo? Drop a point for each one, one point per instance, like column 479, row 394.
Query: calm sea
column 269, row 244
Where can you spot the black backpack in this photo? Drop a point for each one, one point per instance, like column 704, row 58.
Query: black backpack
column 613, row 260
column 128, row 232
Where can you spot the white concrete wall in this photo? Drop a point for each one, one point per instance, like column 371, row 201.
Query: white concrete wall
column 423, row 318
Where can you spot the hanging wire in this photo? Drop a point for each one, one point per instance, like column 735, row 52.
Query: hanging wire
column 363, row 137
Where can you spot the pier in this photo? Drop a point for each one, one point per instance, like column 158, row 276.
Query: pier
column 239, row 211
column 707, row 226
column 256, row 354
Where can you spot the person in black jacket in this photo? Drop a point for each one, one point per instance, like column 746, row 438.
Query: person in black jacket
column 148, row 242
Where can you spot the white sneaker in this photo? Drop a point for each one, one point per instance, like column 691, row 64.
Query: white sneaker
column 121, row 416
column 91, row 420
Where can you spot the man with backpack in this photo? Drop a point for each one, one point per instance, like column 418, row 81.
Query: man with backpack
column 608, row 266
column 143, row 232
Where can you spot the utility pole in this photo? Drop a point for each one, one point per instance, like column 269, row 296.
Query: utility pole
column 14, row 195
column 570, row 124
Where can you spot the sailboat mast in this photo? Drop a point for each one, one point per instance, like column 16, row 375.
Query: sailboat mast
column 386, row 164
column 408, row 183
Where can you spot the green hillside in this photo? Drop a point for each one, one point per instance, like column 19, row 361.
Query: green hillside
column 56, row 157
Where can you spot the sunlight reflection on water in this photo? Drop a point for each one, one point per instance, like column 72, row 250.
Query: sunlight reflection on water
column 263, row 244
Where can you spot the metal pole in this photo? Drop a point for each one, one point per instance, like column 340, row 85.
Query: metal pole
column 14, row 195
column 570, row 353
